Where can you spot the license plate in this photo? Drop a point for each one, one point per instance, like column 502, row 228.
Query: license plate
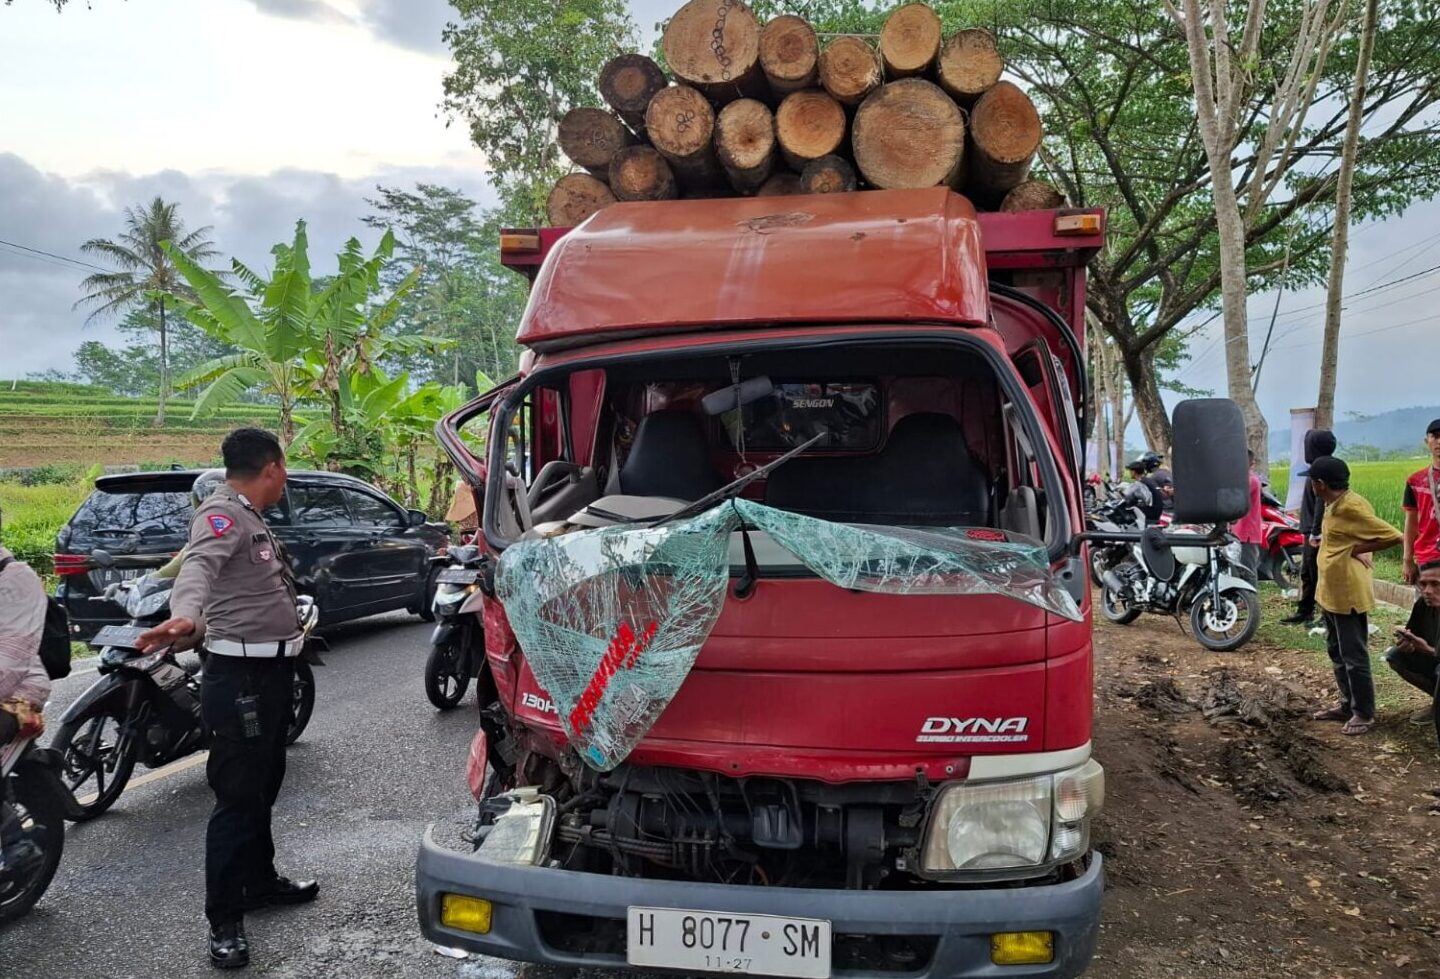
column 109, row 576
column 123, row 636
column 707, row 941
column 457, row 576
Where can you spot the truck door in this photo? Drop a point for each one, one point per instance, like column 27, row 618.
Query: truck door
column 1042, row 372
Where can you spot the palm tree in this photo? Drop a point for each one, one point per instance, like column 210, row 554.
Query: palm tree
column 145, row 273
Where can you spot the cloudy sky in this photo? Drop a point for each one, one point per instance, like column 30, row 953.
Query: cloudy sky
column 252, row 113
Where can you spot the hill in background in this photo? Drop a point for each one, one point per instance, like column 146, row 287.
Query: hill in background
column 1399, row 431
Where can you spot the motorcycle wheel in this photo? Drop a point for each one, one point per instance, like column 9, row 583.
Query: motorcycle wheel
column 1115, row 609
column 98, row 758
column 1096, row 571
column 444, row 684
column 1228, row 627
column 43, row 821
column 1285, row 569
column 302, row 701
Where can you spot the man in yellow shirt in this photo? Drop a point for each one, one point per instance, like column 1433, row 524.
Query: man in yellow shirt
column 1346, row 594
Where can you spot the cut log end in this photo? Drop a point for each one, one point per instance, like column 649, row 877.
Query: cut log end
column 809, row 125
column 784, row 184
column 714, row 45
column 591, row 137
column 745, row 143
column 827, row 175
column 850, row 69
column 639, row 173
column 680, row 122
column 970, row 63
column 1032, row 195
column 909, row 134
column 1005, row 132
column 628, row 83
column 910, row 41
column 575, row 197
column 789, row 55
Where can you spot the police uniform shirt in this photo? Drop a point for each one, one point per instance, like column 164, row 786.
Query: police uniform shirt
column 234, row 574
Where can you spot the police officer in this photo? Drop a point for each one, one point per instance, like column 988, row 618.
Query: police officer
column 236, row 589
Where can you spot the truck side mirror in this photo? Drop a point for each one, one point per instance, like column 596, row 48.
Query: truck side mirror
column 1212, row 470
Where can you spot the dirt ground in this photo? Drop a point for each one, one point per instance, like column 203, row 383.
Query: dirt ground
column 1242, row 838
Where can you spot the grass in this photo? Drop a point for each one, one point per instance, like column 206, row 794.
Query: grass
column 33, row 515
column 1383, row 484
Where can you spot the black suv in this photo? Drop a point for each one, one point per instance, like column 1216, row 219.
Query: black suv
column 354, row 549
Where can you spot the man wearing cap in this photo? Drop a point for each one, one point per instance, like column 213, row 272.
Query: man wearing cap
column 1422, row 510
column 1346, row 594
column 236, row 588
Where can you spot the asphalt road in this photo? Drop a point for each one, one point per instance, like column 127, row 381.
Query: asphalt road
column 376, row 764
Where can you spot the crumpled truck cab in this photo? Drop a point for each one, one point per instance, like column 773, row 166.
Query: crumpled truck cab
column 788, row 658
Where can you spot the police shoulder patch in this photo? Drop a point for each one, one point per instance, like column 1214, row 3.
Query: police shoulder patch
column 219, row 524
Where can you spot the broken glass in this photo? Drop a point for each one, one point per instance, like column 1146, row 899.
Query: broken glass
column 612, row 619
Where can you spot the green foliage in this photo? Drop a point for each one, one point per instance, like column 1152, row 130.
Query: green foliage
column 31, row 516
column 462, row 293
column 520, row 65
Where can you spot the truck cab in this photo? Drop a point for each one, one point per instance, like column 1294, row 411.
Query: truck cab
column 788, row 663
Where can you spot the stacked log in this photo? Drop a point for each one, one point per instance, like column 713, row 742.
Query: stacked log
column 779, row 110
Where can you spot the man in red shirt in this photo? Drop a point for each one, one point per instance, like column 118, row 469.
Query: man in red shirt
column 1422, row 501
column 1249, row 530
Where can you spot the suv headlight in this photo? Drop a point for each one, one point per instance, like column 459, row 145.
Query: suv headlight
column 1006, row 828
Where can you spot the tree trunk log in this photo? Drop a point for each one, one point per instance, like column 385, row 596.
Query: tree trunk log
column 745, row 143
column 850, row 69
column 910, row 41
column 681, row 126
column 809, row 125
column 789, row 55
column 714, row 46
column 575, row 197
column 1005, row 133
column 639, row 173
column 970, row 63
column 1032, row 195
column 628, row 83
column 781, row 184
column 827, row 175
column 909, row 134
column 591, row 138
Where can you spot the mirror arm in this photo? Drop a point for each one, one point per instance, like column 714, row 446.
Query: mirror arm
column 1218, row 536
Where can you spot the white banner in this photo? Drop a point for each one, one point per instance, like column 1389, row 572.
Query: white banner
column 1302, row 420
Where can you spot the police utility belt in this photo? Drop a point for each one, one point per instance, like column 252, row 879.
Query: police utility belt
column 283, row 649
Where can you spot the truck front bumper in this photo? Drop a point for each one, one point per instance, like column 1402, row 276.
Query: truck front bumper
column 536, row 908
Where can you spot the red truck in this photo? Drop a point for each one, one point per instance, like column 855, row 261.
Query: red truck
column 852, row 778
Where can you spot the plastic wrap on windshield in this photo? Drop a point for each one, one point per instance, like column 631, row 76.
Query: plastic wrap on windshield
column 611, row 620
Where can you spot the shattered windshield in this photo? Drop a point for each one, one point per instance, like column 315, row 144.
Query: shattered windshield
column 613, row 619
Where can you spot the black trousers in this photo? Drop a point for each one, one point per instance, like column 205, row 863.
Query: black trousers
column 1309, row 578
column 1347, row 639
column 245, row 774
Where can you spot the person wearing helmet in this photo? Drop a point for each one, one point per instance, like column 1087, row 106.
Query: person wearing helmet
column 203, row 486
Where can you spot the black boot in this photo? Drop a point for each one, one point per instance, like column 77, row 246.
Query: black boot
column 282, row 890
column 229, row 948
column 1301, row 617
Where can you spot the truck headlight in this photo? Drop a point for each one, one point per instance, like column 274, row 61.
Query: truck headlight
column 1013, row 825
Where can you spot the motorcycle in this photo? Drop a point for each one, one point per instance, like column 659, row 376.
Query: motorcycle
column 1284, row 549
column 146, row 706
column 1207, row 581
column 33, row 807
column 1109, row 516
column 457, row 647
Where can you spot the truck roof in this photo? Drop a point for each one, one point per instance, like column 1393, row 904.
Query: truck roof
column 891, row 256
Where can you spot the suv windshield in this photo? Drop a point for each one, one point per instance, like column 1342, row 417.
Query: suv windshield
column 150, row 514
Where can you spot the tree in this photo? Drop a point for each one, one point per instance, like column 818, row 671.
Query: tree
column 520, row 65
column 292, row 340
column 463, row 293
column 1340, row 243
column 133, row 369
column 146, row 274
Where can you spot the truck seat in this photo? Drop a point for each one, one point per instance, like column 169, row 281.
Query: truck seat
column 670, row 457
column 925, row 476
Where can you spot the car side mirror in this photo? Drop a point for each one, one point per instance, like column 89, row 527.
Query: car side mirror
column 418, row 518
column 1212, row 470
